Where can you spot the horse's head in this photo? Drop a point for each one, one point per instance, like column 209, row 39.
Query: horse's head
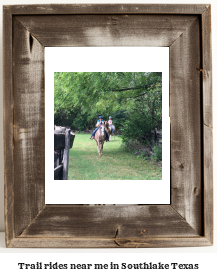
column 102, row 128
column 106, row 124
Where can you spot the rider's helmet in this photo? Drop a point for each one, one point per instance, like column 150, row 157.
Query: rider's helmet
column 110, row 117
column 100, row 117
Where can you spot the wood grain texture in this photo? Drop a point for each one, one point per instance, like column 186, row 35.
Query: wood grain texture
column 107, row 30
column 185, row 116
column 208, row 183
column 207, row 67
column 106, row 9
column 29, row 130
column 29, row 223
column 66, row 154
column 207, row 123
column 46, row 242
column 8, row 124
column 109, row 222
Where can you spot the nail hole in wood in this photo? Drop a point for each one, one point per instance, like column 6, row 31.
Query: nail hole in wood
column 195, row 190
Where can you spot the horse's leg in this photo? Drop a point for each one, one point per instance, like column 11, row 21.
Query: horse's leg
column 98, row 148
column 102, row 147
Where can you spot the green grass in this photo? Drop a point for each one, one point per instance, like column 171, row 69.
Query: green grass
column 114, row 164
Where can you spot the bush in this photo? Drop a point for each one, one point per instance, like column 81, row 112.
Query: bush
column 118, row 119
column 136, row 127
column 62, row 118
column 157, row 149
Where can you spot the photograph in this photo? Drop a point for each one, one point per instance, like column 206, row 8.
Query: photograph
column 108, row 112
column 114, row 125
column 129, row 165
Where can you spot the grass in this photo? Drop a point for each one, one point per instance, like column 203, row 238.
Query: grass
column 114, row 164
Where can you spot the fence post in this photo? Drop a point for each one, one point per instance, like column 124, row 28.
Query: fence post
column 66, row 154
column 55, row 159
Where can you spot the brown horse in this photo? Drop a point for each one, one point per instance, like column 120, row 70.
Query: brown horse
column 109, row 130
column 100, row 138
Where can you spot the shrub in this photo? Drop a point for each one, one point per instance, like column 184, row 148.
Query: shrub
column 157, row 149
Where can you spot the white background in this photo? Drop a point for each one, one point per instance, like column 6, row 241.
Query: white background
column 89, row 59
column 206, row 256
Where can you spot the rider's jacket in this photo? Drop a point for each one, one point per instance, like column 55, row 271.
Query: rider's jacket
column 98, row 123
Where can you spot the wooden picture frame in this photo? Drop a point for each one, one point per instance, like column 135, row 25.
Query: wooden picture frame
column 186, row 30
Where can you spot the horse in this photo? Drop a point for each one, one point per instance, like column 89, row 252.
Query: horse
column 109, row 130
column 100, row 138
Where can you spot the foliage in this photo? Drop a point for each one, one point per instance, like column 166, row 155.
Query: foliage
column 157, row 149
column 133, row 99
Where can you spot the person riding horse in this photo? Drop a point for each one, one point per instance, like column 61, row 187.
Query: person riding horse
column 98, row 124
column 110, row 124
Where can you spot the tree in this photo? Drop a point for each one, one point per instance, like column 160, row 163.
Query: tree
column 134, row 99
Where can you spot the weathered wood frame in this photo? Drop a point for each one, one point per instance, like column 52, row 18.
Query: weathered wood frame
column 188, row 220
